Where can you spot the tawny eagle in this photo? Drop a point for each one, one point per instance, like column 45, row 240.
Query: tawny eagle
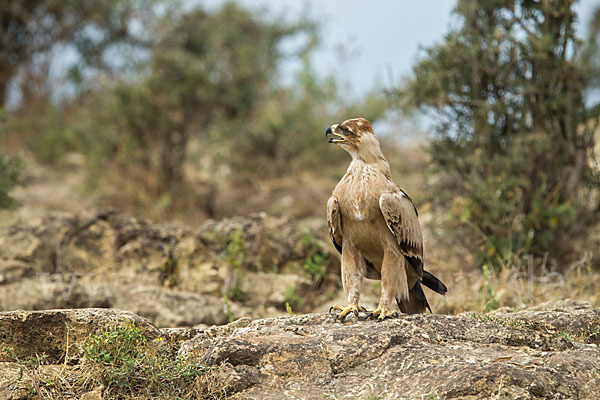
column 374, row 224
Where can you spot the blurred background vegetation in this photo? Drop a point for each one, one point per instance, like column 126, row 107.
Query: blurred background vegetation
column 174, row 112
column 513, row 163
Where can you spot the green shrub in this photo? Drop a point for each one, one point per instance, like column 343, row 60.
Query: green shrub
column 317, row 263
column 512, row 161
column 206, row 93
column 11, row 169
column 487, row 291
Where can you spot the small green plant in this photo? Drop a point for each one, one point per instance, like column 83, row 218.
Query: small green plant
column 34, row 361
column 228, row 312
column 168, row 269
column 128, row 364
column 39, row 383
column 511, row 322
column 236, row 293
column 291, row 298
column 288, row 308
column 487, row 291
column 372, row 395
column 582, row 337
column 11, row 171
column 234, row 252
column 316, row 264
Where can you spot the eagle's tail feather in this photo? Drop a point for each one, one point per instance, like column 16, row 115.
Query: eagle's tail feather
column 433, row 283
column 416, row 302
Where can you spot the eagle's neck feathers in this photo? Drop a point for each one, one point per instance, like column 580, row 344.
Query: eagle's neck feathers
column 370, row 158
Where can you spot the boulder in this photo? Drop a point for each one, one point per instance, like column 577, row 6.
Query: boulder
column 58, row 333
column 521, row 355
column 530, row 354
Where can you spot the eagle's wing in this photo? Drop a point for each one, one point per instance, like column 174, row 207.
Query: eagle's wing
column 334, row 222
column 401, row 218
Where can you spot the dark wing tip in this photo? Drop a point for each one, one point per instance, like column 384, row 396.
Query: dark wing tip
column 337, row 246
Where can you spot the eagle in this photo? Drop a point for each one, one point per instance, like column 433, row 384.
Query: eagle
column 374, row 224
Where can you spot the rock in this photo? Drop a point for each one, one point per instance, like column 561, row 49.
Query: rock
column 180, row 335
column 95, row 394
column 57, row 333
column 268, row 241
column 565, row 305
column 519, row 355
column 575, row 320
column 19, row 244
column 173, row 308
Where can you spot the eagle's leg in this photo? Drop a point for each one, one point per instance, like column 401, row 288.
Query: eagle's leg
column 393, row 284
column 353, row 272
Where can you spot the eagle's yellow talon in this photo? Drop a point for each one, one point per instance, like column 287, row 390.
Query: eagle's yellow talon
column 344, row 311
column 382, row 313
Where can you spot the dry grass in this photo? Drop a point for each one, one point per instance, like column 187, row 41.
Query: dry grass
column 515, row 287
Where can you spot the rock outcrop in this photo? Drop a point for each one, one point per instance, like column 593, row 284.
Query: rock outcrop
column 549, row 352
column 54, row 333
column 172, row 275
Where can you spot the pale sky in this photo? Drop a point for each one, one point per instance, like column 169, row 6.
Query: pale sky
column 382, row 36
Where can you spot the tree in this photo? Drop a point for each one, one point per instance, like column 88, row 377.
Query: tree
column 10, row 176
column 209, row 81
column 512, row 155
column 11, row 168
column 30, row 29
column 591, row 53
column 215, row 77
column 203, row 68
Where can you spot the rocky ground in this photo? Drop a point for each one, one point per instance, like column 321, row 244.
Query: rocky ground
column 550, row 352
column 181, row 286
column 174, row 276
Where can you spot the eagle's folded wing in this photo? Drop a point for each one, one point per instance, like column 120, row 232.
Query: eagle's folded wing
column 401, row 218
column 334, row 222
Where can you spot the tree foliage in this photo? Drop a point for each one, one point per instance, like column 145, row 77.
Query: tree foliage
column 31, row 29
column 591, row 53
column 207, row 72
column 10, row 176
column 512, row 159
column 207, row 93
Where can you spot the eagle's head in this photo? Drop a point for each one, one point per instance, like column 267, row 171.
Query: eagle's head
column 356, row 136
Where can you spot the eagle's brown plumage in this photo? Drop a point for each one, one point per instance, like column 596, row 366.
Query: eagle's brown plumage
column 374, row 224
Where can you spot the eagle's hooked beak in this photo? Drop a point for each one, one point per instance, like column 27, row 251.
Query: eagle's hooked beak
column 337, row 137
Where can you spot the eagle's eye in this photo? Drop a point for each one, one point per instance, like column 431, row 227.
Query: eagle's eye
column 346, row 131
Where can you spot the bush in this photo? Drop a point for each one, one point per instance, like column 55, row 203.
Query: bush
column 512, row 160
column 10, row 176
